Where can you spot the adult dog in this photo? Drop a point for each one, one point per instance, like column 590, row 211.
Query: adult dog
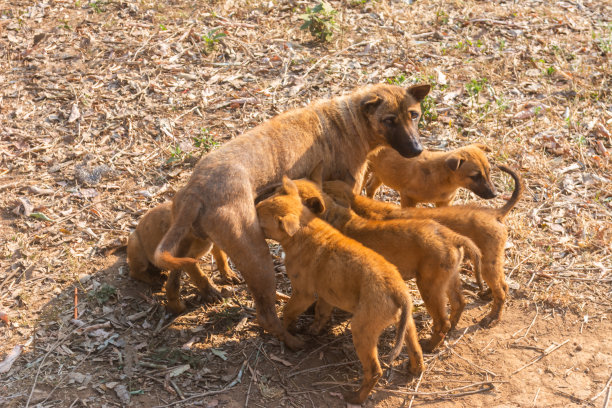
column 218, row 201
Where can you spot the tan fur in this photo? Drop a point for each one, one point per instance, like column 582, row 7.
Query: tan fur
column 431, row 177
column 421, row 249
column 484, row 226
column 218, row 200
column 338, row 271
column 140, row 256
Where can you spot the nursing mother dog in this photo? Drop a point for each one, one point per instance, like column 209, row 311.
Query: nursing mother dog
column 218, row 202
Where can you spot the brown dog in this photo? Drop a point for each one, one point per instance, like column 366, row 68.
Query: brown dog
column 218, row 201
column 140, row 256
column 485, row 226
column 432, row 177
column 338, row 271
column 421, row 249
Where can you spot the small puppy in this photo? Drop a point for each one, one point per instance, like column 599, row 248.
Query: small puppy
column 140, row 256
column 431, row 177
column 325, row 265
column 421, row 249
column 484, row 226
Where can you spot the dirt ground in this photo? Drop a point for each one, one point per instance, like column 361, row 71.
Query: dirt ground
column 105, row 106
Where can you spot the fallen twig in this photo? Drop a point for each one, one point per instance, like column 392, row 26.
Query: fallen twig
column 538, row 358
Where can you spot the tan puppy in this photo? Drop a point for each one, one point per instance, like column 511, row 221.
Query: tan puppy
column 485, row 226
column 421, row 249
column 140, row 256
column 431, row 177
column 325, row 265
column 218, row 201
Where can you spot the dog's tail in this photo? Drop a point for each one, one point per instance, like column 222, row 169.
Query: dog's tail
column 473, row 252
column 516, row 194
column 406, row 309
column 164, row 258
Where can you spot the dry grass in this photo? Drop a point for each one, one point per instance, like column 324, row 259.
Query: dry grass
column 105, row 106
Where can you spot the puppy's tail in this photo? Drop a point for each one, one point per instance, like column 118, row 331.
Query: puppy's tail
column 164, row 258
column 516, row 194
column 473, row 252
column 406, row 310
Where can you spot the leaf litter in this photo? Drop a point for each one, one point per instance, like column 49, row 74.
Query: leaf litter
column 106, row 106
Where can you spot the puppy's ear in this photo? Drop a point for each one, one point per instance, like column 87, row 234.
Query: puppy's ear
column 483, row 147
column 370, row 101
column 289, row 186
column 454, row 163
column 316, row 176
column 315, row 204
column 290, row 224
column 419, row 92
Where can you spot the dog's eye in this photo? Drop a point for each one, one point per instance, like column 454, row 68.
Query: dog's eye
column 390, row 121
column 476, row 177
column 414, row 115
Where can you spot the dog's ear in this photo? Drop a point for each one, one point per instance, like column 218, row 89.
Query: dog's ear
column 370, row 101
column 290, row 224
column 419, row 92
column 316, row 175
column 315, row 204
column 454, row 163
column 483, row 147
column 289, row 186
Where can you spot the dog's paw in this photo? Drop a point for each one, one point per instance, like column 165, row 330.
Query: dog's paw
column 176, row 307
column 293, row 342
column 485, row 294
column 211, row 295
column 429, row 345
column 315, row 329
column 353, row 397
column 489, row 321
column 230, row 279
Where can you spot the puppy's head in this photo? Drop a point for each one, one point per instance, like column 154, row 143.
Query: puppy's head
column 279, row 215
column 393, row 115
column 341, row 192
column 470, row 169
column 311, row 193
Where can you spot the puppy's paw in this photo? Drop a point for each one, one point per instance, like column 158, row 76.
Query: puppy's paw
column 485, row 294
column 353, row 397
column 429, row 345
column 176, row 306
column 315, row 329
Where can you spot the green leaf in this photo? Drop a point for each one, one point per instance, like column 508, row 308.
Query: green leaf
column 40, row 216
column 219, row 353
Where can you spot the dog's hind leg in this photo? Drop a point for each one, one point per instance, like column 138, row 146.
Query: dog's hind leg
column 493, row 274
column 173, row 287
column 236, row 230
column 227, row 275
column 457, row 301
column 372, row 185
column 433, row 293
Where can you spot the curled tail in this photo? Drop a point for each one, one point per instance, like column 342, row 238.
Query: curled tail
column 164, row 254
column 473, row 252
column 406, row 309
column 516, row 194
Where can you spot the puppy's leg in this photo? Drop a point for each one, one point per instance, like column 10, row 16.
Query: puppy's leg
column 372, row 185
column 242, row 239
column 414, row 348
column 227, row 275
column 296, row 305
column 457, row 302
column 173, row 286
column 208, row 291
column 433, row 292
column 323, row 311
column 493, row 274
column 445, row 203
column 138, row 262
column 365, row 338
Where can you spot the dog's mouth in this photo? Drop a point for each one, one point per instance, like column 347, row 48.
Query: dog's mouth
column 408, row 148
column 485, row 193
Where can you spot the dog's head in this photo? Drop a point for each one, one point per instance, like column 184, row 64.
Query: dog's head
column 279, row 215
column 471, row 169
column 393, row 115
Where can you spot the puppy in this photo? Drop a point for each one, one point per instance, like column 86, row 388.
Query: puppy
column 140, row 256
column 431, row 177
column 218, row 201
column 484, row 226
column 325, row 265
column 421, row 249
